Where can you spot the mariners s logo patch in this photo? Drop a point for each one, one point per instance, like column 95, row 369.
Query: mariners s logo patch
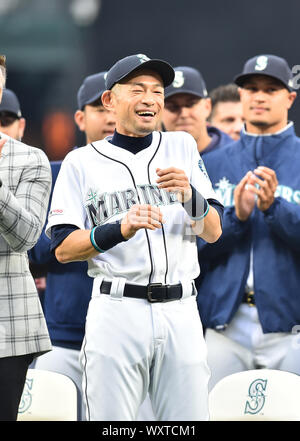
column 261, row 62
column 143, row 58
column 26, row 399
column 257, row 397
column 179, row 79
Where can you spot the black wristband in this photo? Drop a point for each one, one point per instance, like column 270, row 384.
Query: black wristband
column 197, row 207
column 104, row 237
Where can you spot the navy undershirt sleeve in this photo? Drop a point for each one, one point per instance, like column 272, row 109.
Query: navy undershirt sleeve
column 218, row 206
column 59, row 233
column 106, row 236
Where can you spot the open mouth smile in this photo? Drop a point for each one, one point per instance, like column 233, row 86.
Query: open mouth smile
column 146, row 114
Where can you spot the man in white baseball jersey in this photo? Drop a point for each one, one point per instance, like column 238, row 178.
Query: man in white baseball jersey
column 132, row 205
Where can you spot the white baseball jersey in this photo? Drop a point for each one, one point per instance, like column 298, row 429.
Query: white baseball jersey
column 129, row 345
column 99, row 183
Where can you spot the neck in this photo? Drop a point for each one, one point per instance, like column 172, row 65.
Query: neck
column 131, row 143
column 203, row 140
column 264, row 129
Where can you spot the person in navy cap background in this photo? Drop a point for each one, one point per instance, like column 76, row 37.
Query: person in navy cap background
column 227, row 112
column 187, row 107
column 11, row 121
column 91, row 117
column 68, row 287
column 249, row 296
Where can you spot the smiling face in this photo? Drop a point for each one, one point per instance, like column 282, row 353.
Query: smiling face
column 138, row 102
column 265, row 103
column 187, row 112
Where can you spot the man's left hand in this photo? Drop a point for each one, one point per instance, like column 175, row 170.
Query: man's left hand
column 174, row 180
column 267, row 183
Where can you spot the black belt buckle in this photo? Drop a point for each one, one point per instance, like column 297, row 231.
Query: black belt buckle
column 150, row 286
column 250, row 298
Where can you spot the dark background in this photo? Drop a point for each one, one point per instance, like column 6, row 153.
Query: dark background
column 51, row 45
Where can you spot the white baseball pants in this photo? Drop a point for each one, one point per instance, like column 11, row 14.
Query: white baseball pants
column 243, row 346
column 133, row 347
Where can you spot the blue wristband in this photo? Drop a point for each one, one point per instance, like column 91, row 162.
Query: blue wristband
column 104, row 237
column 92, row 238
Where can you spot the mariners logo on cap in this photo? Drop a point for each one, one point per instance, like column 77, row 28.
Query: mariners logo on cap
column 143, row 58
column 261, row 62
column 179, row 79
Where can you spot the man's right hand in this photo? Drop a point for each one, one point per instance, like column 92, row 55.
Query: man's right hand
column 141, row 216
column 244, row 199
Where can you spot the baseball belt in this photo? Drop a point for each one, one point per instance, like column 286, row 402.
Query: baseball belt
column 154, row 292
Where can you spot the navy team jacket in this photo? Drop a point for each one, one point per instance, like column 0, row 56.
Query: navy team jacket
column 68, row 290
column 274, row 235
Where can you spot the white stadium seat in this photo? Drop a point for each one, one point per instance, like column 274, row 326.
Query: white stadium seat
column 48, row 396
column 259, row 394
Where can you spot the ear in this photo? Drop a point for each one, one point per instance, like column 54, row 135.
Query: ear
column 79, row 120
column 22, row 125
column 292, row 97
column 107, row 100
column 207, row 107
column 243, row 94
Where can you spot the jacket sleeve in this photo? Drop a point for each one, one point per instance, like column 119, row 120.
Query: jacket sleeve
column 40, row 253
column 232, row 230
column 283, row 218
column 23, row 213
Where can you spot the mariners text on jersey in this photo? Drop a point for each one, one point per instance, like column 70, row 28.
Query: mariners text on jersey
column 102, row 208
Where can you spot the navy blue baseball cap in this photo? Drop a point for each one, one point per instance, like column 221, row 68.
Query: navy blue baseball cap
column 270, row 65
column 10, row 103
column 187, row 80
column 122, row 68
column 91, row 89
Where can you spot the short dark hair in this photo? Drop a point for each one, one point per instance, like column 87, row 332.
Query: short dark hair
column 224, row 94
column 96, row 103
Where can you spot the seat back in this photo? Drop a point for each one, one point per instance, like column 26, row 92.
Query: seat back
column 48, row 396
column 258, row 394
